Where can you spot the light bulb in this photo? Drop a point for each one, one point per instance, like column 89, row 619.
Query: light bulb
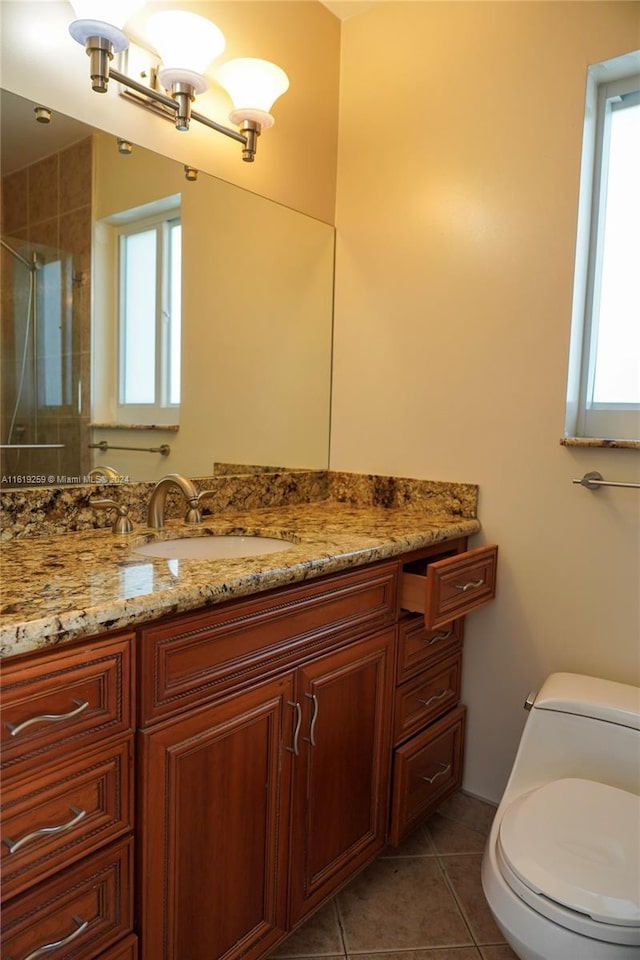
column 103, row 18
column 186, row 43
column 253, row 85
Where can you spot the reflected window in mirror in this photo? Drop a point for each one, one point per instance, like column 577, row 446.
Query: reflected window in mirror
column 149, row 315
column 141, row 317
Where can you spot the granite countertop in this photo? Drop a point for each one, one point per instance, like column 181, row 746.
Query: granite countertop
column 62, row 587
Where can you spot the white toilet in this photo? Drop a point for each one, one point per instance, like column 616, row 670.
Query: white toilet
column 561, row 869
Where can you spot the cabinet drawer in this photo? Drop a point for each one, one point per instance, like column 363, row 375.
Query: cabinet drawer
column 192, row 659
column 77, row 914
column 426, row 697
column 450, row 588
column 419, row 647
column 426, row 770
column 56, row 815
column 63, row 700
column 127, row 949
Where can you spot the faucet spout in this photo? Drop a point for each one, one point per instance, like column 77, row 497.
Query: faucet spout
column 155, row 515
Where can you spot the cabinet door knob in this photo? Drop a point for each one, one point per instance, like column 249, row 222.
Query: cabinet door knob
column 438, row 637
column 472, row 585
column 445, row 769
column 13, row 846
column 48, row 947
column 296, row 733
column 314, row 718
column 436, row 696
column 48, row 718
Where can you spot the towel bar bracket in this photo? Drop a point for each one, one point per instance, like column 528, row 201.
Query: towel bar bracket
column 593, row 481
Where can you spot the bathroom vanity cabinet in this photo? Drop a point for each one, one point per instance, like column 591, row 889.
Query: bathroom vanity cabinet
column 282, row 741
column 67, row 813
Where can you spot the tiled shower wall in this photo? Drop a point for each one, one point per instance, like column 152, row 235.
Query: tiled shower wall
column 46, row 209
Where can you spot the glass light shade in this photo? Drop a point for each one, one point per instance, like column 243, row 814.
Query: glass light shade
column 116, row 12
column 253, row 85
column 103, row 18
column 184, row 40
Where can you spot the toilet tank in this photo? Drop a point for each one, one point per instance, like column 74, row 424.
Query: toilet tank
column 582, row 696
column 580, row 727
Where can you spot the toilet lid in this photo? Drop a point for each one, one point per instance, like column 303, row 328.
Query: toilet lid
column 578, row 843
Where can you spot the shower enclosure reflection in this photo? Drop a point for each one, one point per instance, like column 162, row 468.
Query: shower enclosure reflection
column 42, row 317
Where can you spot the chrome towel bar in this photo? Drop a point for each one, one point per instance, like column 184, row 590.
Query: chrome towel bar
column 593, row 481
column 164, row 448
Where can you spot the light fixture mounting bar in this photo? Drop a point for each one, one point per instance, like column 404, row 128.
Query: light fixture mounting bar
column 151, row 94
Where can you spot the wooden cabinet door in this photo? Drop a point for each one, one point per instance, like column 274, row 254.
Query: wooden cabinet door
column 214, row 827
column 341, row 776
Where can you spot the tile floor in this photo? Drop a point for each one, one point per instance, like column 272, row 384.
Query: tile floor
column 421, row 901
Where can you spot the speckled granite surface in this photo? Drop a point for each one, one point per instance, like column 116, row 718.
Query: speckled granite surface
column 42, row 511
column 592, row 442
column 57, row 588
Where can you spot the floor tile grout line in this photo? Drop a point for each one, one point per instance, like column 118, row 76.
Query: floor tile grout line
column 343, row 937
column 482, row 833
column 457, row 902
column 431, row 949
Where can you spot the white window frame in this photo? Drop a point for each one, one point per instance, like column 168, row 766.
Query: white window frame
column 162, row 410
column 606, row 83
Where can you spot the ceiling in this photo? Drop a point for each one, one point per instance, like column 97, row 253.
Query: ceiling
column 347, row 8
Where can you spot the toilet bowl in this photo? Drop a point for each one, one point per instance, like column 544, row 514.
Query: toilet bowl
column 561, row 868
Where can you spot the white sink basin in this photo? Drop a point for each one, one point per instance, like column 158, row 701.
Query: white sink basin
column 212, row 548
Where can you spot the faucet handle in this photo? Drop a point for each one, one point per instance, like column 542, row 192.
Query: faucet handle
column 122, row 522
column 193, row 514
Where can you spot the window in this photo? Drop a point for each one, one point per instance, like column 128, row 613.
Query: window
column 149, row 315
column 603, row 398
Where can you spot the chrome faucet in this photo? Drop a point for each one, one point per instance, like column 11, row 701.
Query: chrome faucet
column 155, row 515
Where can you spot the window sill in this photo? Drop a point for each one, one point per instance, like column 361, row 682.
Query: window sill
column 172, row 427
column 595, row 442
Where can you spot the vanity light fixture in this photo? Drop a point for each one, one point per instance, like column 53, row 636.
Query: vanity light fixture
column 186, row 43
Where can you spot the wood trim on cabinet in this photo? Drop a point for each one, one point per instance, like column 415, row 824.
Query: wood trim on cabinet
column 446, row 589
column 93, row 792
column 189, row 660
column 340, row 793
column 57, row 684
column 98, row 891
column 127, row 949
column 418, row 647
column 426, row 770
column 214, row 806
column 427, row 696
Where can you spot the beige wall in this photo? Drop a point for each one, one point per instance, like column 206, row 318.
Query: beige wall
column 296, row 159
column 459, row 152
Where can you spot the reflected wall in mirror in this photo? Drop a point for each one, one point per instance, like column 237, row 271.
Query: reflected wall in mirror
column 256, row 314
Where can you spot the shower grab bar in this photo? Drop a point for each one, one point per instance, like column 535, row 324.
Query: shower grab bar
column 164, row 448
column 593, row 481
column 31, row 446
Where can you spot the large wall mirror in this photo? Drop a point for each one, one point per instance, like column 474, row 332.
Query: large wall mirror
column 153, row 323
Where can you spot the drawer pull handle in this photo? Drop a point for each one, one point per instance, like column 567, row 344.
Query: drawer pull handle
column 314, row 718
column 472, row 585
column 49, row 717
column 48, row 947
column 296, row 733
column 445, row 769
column 78, row 815
column 438, row 637
column 436, row 696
